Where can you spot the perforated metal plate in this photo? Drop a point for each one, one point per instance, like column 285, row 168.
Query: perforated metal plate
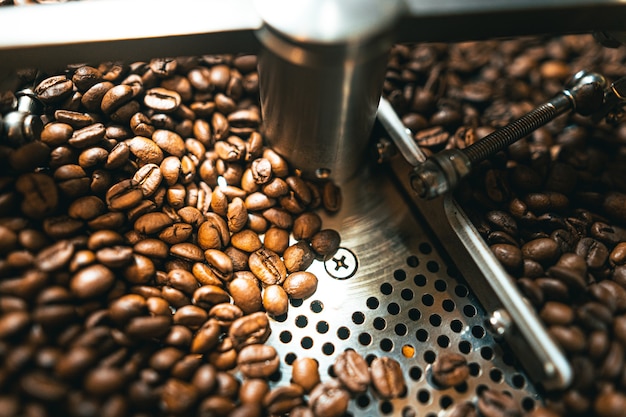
column 389, row 292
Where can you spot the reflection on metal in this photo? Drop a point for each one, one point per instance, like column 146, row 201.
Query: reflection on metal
column 406, row 301
column 496, row 290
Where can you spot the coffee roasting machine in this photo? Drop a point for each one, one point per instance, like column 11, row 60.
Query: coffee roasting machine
column 321, row 65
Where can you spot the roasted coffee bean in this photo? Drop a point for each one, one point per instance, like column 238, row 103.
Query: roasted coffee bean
column 267, row 266
column 306, row 225
column 493, row 403
column 251, row 329
column 258, row 361
column 283, row 399
column 245, row 291
column 352, row 370
column 329, row 399
column 276, row 240
column 300, row 284
column 92, row 281
column 298, row 257
column 305, row 372
column 275, row 300
column 556, row 313
column 54, row 89
column 325, row 243
column 449, row 369
column 206, row 337
column 387, row 377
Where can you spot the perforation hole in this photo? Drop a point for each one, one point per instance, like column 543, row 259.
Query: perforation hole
column 372, row 303
column 406, row 294
column 386, row 407
column 379, row 323
column 430, row 356
column 528, row 404
column 302, row 321
column 399, row 275
column 465, row 347
column 393, row 309
column 469, row 310
column 289, row 358
column 386, row 345
column 495, row 375
column 440, row 285
column 365, row 339
column 415, row 373
column 358, row 317
column 400, row 329
column 386, row 288
column 419, row 280
column 423, row 396
column 456, row 326
column 478, row 332
column 362, row 401
column 487, row 353
column 285, row 336
column 322, row 327
column 412, row 261
column 445, row 402
column 421, row 335
column 435, row 320
column 518, row 381
column 328, row 349
column 343, row 333
column 448, row 305
column 306, row 342
column 428, row 300
column 432, row 266
column 443, row 341
column 425, row 248
column 461, row 291
column 317, row 306
column 414, row 314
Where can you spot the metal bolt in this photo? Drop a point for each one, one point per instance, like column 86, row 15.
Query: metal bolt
column 24, row 124
column 342, row 265
column 443, row 171
column 499, row 323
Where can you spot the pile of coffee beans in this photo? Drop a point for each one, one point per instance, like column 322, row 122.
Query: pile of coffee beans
column 145, row 240
column 552, row 206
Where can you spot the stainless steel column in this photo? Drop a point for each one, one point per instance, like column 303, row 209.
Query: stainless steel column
column 321, row 75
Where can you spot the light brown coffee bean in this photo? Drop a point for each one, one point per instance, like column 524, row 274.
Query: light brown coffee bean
column 250, row 329
column 92, row 281
column 145, row 150
column 267, row 266
column 329, row 399
column 300, row 284
column 352, row 370
column 283, row 399
column 276, row 240
column 258, row 361
column 245, row 291
column 246, row 240
column 275, row 300
column 325, row 243
column 450, row 369
column 213, row 233
column 387, row 377
column 206, row 338
column 207, row 296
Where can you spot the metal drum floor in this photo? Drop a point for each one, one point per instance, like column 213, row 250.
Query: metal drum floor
column 389, row 292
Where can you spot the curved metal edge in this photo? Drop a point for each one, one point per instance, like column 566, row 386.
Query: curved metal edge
column 54, row 35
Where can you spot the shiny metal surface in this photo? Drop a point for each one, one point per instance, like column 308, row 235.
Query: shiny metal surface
column 496, row 290
column 404, row 300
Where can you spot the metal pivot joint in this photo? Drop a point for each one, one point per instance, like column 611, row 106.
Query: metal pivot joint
column 23, row 124
column 443, row 171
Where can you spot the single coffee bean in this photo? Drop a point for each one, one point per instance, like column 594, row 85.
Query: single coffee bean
column 325, row 243
column 245, row 291
column 246, row 240
column 275, row 300
column 206, row 337
column 306, row 225
column 251, row 329
column 298, row 257
column 305, row 372
column 276, row 239
column 329, row 399
column 449, row 370
column 387, row 377
column 258, row 361
column 493, row 403
column 207, row 296
column 267, row 266
column 352, row 370
column 178, row 396
column 556, row 313
column 300, row 284
column 92, row 281
column 283, row 399
column 54, row 89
